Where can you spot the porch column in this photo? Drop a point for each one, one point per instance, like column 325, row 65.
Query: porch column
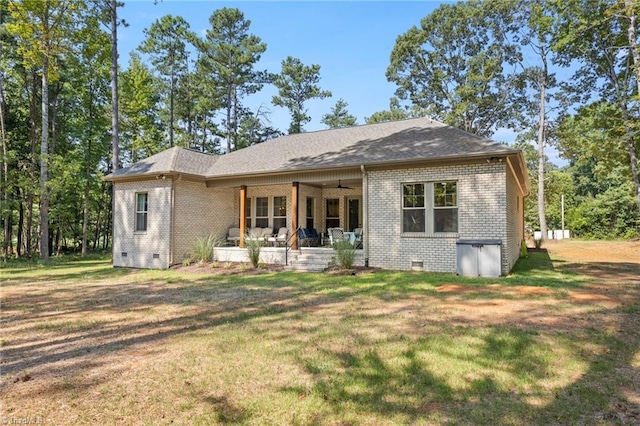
column 294, row 215
column 365, row 214
column 243, row 214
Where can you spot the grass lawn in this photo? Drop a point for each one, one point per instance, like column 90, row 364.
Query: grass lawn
column 556, row 342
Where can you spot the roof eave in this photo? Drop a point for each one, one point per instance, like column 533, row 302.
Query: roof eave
column 376, row 164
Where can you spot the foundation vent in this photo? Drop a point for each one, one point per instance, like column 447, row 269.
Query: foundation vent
column 417, row 265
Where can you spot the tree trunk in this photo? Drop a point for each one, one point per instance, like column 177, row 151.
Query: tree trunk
column 541, row 140
column 85, row 218
column 6, row 245
column 632, row 36
column 33, row 115
column 20, row 225
column 115, row 124
column 633, row 50
column 172, row 89
column 228, row 120
column 44, row 157
column 96, row 236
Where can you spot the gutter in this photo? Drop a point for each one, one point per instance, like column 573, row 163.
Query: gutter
column 173, row 221
column 365, row 213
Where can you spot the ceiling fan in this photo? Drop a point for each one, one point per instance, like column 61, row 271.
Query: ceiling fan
column 341, row 186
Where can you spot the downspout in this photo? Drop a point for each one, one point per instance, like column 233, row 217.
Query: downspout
column 365, row 214
column 173, row 220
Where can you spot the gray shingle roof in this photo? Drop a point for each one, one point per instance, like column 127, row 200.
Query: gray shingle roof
column 373, row 144
column 390, row 142
column 176, row 159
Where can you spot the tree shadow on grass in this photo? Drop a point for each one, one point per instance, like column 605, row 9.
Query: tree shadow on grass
column 391, row 378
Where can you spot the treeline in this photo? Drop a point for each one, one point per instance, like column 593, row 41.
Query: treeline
column 561, row 73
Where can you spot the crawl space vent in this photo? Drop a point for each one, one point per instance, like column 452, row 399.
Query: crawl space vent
column 417, row 265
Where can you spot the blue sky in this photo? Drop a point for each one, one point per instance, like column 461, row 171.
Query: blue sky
column 350, row 40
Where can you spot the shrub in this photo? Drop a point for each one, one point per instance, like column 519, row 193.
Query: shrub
column 345, row 253
column 203, row 248
column 253, row 249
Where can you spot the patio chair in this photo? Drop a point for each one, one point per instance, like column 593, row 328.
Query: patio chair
column 335, row 235
column 280, row 238
column 233, row 236
column 358, row 243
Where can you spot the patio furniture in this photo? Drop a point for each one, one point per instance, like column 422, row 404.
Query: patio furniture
column 280, row 238
column 335, row 235
column 259, row 234
column 350, row 236
column 233, row 236
column 358, row 242
column 306, row 236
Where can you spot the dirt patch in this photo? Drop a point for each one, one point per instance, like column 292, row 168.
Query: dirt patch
column 577, row 251
column 227, row 268
column 147, row 348
column 495, row 288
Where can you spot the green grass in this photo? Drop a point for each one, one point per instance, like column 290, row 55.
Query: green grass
column 157, row 347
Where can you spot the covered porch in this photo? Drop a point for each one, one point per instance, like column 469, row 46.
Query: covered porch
column 313, row 201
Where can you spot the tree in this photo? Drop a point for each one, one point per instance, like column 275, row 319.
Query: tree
column 229, row 53
column 166, row 43
column 139, row 105
column 297, row 84
column 534, row 32
column 254, row 128
column 453, row 65
column 339, row 116
column 395, row 112
column 43, row 28
column 600, row 40
column 592, row 140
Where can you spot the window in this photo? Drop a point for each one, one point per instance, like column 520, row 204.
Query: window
column 413, row 211
column 141, row 211
column 279, row 212
column 332, row 216
column 247, row 212
column 262, row 212
column 430, row 207
column 310, row 212
column 445, row 207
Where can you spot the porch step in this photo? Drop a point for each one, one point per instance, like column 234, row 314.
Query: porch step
column 310, row 259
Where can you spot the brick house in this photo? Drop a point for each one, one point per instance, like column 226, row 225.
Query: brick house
column 415, row 187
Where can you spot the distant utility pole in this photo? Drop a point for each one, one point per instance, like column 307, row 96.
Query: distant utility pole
column 562, row 213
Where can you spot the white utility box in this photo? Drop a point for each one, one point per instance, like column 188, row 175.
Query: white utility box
column 479, row 258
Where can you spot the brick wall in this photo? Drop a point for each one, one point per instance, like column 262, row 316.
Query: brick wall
column 200, row 212
column 140, row 247
column 515, row 222
column 482, row 214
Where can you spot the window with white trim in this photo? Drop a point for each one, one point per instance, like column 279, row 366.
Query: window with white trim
column 142, row 209
column 311, row 206
column 332, row 213
column 262, row 212
column 247, row 213
column 413, row 207
column 445, row 207
column 430, row 207
column 279, row 212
